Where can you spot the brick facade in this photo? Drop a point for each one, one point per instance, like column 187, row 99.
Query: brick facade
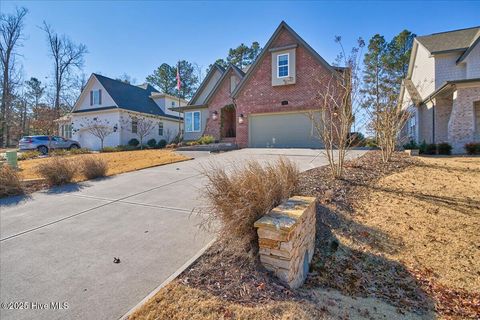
column 461, row 126
column 259, row 96
column 221, row 98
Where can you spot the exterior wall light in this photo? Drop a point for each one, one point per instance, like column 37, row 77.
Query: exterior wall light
column 240, row 118
column 115, row 128
column 215, row 115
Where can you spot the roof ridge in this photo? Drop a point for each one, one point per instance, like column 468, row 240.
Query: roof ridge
column 449, row 31
column 139, row 86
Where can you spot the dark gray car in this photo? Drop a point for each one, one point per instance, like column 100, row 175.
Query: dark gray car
column 44, row 143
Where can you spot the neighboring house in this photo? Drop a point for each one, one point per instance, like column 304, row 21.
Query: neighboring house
column 122, row 107
column 442, row 88
column 266, row 106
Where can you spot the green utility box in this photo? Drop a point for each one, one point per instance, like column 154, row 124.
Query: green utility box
column 12, row 158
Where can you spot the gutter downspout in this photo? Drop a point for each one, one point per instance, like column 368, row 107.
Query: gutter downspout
column 433, row 120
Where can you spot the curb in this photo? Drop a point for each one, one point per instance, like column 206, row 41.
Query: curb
column 168, row 280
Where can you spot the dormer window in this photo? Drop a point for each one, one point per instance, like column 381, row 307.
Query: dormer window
column 95, row 97
column 173, row 103
column 283, row 65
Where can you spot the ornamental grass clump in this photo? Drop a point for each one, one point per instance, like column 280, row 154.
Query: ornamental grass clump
column 239, row 196
column 93, row 167
column 57, row 171
column 10, row 183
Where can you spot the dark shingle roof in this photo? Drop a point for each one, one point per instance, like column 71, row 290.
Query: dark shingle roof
column 130, row 97
column 450, row 40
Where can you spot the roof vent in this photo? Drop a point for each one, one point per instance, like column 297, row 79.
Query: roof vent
column 284, row 102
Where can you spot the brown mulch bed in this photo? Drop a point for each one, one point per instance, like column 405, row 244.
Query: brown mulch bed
column 224, row 273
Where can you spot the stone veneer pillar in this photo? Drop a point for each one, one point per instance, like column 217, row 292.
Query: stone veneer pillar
column 461, row 126
column 286, row 237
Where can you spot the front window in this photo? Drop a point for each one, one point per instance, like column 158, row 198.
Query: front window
column 192, row 121
column 282, row 65
column 134, row 125
column 160, row 128
column 173, row 103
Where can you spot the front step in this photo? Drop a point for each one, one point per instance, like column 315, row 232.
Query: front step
column 228, row 140
column 213, row 147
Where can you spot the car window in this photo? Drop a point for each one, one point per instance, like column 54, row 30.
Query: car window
column 42, row 138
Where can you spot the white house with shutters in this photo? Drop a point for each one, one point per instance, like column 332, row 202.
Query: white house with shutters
column 121, row 107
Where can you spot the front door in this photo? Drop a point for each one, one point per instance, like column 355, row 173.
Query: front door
column 228, row 122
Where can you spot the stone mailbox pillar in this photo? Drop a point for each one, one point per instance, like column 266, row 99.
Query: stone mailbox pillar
column 286, row 237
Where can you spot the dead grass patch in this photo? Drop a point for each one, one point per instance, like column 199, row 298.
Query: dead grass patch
column 9, row 181
column 240, row 195
column 178, row 301
column 57, row 171
column 118, row 162
column 93, row 167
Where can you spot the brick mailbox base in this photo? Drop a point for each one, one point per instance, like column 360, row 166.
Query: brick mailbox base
column 286, row 237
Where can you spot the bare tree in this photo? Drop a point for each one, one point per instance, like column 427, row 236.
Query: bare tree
column 390, row 120
column 337, row 97
column 98, row 128
column 67, row 56
column 11, row 28
column 140, row 126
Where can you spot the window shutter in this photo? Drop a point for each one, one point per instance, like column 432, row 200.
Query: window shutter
column 91, row 98
column 100, row 96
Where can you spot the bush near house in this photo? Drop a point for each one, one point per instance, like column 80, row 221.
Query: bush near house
column 472, row 148
column 94, row 167
column 239, row 197
column 152, row 143
column 207, row 139
column 57, row 170
column 110, row 149
column 58, row 152
column 80, row 151
column 444, row 148
column 410, row 145
column 162, row 143
column 430, row 149
column 9, row 182
column 28, row 155
column 133, row 142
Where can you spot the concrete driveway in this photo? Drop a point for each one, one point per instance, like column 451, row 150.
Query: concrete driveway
column 58, row 246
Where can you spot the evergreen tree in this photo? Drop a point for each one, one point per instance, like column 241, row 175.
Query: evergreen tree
column 241, row 56
column 163, row 78
column 398, row 57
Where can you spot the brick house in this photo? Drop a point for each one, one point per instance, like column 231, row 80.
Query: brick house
column 442, row 88
column 269, row 104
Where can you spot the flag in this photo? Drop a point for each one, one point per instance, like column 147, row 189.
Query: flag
column 179, row 83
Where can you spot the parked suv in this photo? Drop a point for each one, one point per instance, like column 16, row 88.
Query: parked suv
column 44, row 143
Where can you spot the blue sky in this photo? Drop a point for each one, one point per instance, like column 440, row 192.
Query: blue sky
column 135, row 37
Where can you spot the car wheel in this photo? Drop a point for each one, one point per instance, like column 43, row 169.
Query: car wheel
column 43, row 150
column 74, row 146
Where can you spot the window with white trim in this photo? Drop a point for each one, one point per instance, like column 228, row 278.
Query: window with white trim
column 192, row 121
column 95, row 97
column 160, row 128
column 283, row 65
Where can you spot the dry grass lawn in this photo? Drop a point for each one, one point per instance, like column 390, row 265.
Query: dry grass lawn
column 432, row 213
column 118, row 162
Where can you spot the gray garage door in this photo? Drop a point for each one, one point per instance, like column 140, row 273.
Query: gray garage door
column 282, row 130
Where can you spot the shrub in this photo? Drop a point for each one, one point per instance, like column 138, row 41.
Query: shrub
column 94, row 167
column 422, row 147
column 58, row 153
column 162, row 143
column 444, row 148
column 152, row 143
column 10, row 183
column 431, row 148
column 207, row 139
column 57, row 170
column 371, row 143
column 110, row 149
column 133, row 142
column 28, row 155
column 80, row 151
column 127, row 148
column 411, row 145
column 472, row 148
column 239, row 196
